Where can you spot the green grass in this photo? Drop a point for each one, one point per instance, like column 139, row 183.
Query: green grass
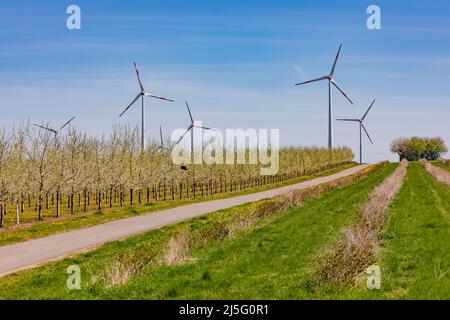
column 277, row 260
column 273, row 261
column 27, row 231
column 441, row 165
column 415, row 252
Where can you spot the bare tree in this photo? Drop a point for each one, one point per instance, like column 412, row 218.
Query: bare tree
column 38, row 150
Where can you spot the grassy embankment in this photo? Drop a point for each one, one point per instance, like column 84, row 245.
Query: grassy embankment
column 415, row 254
column 274, row 258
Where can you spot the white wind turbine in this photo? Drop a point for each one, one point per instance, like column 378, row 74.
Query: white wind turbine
column 331, row 81
column 191, row 128
column 141, row 95
column 161, row 141
column 54, row 131
column 361, row 127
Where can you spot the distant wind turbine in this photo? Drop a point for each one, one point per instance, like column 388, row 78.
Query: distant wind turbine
column 361, row 127
column 141, row 95
column 55, row 132
column 161, row 143
column 190, row 128
column 331, row 81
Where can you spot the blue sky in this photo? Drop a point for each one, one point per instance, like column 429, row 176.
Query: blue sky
column 235, row 61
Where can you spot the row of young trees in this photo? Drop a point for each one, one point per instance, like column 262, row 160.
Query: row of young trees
column 40, row 171
column 416, row 148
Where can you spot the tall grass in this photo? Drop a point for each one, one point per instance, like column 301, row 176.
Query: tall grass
column 178, row 248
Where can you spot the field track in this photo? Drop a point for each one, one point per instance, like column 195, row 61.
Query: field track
column 32, row 253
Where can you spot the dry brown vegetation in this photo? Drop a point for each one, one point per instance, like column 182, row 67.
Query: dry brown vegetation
column 359, row 247
column 178, row 248
column 438, row 173
column 119, row 273
column 127, row 265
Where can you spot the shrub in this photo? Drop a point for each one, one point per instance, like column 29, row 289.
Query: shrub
column 415, row 148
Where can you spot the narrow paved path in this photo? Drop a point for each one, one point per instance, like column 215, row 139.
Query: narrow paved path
column 32, row 253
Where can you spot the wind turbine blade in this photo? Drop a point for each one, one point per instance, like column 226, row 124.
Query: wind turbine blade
column 353, row 120
column 42, row 127
column 189, row 110
column 190, row 127
column 365, row 114
column 341, row 91
column 335, row 60
column 46, row 128
column 206, row 128
column 157, row 97
column 137, row 97
column 160, row 135
column 314, row 80
column 138, row 76
column 368, row 136
column 65, row 124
